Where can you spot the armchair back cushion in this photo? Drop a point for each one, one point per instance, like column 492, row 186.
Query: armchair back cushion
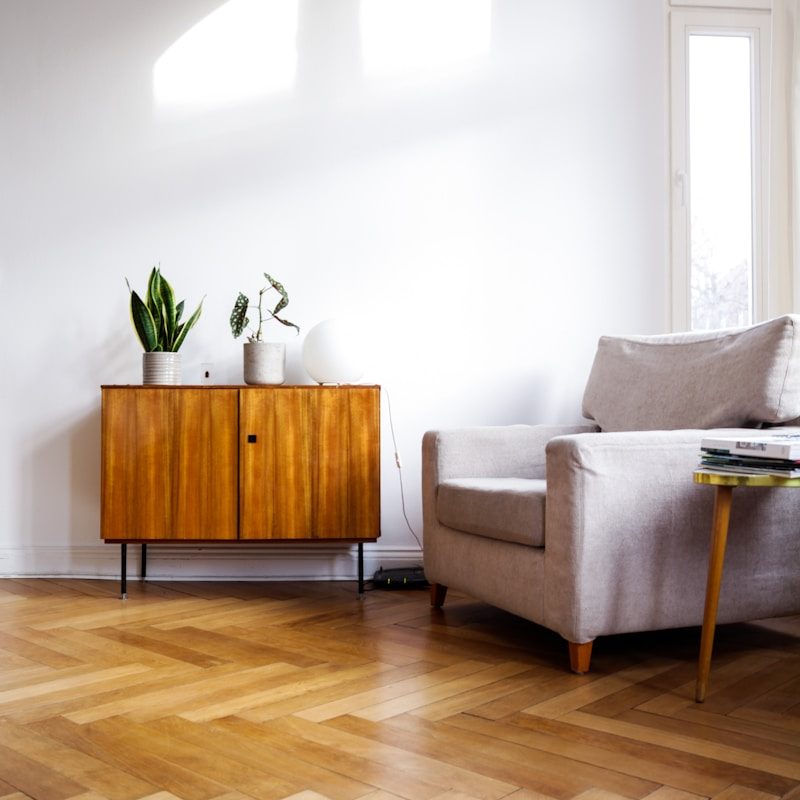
column 716, row 379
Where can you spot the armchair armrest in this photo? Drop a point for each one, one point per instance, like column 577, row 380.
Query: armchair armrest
column 515, row 451
column 510, row 451
column 626, row 531
column 625, row 451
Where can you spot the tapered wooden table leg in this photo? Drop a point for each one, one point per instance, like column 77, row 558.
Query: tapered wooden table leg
column 719, row 538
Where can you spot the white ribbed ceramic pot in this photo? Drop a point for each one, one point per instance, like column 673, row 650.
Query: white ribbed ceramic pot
column 161, row 369
column 264, row 363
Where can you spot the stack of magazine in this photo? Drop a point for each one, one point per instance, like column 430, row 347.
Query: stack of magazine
column 765, row 454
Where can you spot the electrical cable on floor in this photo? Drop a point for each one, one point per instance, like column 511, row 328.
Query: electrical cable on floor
column 399, row 470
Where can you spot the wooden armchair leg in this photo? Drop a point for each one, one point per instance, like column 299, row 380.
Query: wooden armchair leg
column 438, row 593
column 580, row 656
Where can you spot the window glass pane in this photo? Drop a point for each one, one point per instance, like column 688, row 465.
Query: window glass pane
column 721, row 200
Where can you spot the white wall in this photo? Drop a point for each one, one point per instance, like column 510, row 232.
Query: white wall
column 489, row 219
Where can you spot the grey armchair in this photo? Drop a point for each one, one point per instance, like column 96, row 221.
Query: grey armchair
column 599, row 529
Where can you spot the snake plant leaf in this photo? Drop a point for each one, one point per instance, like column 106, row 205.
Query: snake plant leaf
column 144, row 324
column 284, row 301
column 239, row 320
column 152, row 286
column 185, row 327
column 152, row 301
column 157, row 318
column 168, row 313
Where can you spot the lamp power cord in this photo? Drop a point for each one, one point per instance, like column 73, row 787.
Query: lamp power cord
column 399, row 464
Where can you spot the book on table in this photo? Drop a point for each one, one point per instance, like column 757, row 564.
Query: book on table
column 784, row 446
column 759, row 454
column 749, row 465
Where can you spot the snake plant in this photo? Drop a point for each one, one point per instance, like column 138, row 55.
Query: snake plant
column 239, row 319
column 157, row 319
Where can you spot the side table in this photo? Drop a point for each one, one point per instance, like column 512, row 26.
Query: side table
column 724, row 483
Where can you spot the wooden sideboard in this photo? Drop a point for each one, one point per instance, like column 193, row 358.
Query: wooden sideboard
column 239, row 464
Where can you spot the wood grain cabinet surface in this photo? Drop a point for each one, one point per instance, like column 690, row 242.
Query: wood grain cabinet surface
column 240, row 463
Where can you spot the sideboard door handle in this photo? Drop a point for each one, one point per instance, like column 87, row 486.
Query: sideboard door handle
column 251, row 438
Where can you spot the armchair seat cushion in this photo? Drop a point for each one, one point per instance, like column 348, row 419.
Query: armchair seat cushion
column 509, row 509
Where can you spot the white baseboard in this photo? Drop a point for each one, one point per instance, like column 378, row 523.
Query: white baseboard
column 207, row 562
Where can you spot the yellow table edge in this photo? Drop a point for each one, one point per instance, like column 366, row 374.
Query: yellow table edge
column 739, row 479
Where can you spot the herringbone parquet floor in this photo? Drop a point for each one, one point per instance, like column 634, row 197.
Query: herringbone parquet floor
column 229, row 691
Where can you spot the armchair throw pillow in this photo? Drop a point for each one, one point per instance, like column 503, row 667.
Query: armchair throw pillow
column 732, row 378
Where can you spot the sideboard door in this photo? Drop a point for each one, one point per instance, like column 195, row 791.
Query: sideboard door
column 276, row 465
column 310, row 463
column 347, row 479
column 169, row 463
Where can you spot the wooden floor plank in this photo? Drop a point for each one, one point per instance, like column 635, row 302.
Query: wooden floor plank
column 471, row 698
column 95, row 695
column 80, row 767
column 253, row 746
column 675, row 683
column 137, row 645
column 238, row 699
column 785, row 722
column 670, row 793
column 427, row 769
column 78, row 739
column 735, row 792
column 331, row 643
column 219, row 697
column 195, row 683
column 614, row 757
column 158, row 762
column 209, row 766
column 245, row 691
column 697, row 715
column 545, row 684
column 62, row 640
column 782, row 699
column 372, row 697
column 123, row 612
column 391, row 778
column 752, row 686
column 35, row 779
column 58, row 686
column 707, row 733
column 761, row 769
column 334, row 687
column 601, row 687
column 444, row 691
column 35, row 652
column 126, row 756
column 529, row 770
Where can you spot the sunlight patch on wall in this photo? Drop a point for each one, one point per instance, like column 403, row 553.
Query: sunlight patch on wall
column 242, row 51
column 404, row 37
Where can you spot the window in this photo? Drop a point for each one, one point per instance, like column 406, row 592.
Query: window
column 719, row 94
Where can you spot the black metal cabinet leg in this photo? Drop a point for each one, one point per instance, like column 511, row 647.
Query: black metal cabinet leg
column 123, row 570
column 360, row 569
column 144, row 561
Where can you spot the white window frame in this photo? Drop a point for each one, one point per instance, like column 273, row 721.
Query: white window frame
column 754, row 23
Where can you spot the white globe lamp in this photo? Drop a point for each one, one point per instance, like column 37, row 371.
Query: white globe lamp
column 334, row 351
